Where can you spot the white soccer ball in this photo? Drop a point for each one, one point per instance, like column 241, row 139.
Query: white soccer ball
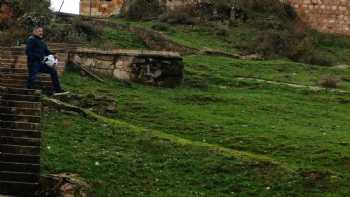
column 50, row 60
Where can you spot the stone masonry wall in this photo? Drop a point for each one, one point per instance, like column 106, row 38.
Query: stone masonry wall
column 148, row 67
column 331, row 16
column 100, row 7
column 113, row 7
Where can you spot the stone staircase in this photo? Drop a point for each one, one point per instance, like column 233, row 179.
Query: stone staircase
column 20, row 121
column 20, row 140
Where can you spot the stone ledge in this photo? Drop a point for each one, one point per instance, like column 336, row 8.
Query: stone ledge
column 133, row 53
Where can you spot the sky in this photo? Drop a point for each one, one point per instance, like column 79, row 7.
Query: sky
column 69, row 6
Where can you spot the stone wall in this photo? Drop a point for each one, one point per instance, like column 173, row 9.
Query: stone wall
column 113, row 7
column 148, row 67
column 100, row 7
column 331, row 16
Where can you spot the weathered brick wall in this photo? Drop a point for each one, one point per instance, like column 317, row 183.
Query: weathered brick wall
column 331, row 16
column 100, row 7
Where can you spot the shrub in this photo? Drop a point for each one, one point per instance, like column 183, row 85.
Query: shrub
column 13, row 36
column 90, row 30
column 142, row 9
column 329, row 81
column 317, row 58
column 180, row 16
column 273, row 7
column 73, row 30
column 162, row 27
column 222, row 31
column 271, row 43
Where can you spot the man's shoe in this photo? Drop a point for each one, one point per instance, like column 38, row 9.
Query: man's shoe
column 60, row 93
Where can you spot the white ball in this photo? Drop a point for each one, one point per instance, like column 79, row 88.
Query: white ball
column 50, row 60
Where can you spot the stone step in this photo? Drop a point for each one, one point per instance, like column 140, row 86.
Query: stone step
column 20, row 150
column 15, row 158
column 19, row 97
column 20, row 141
column 20, row 111
column 18, row 188
column 20, row 167
column 21, row 104
column 20, row 118
column 12, row 61
column 12, row 85
column 18, row 58
column 11, row 53
column 13, row 70
column 24, row 65
column 14, row 65
column 19, row 125
column 23, row 91
column 21, row 53
column 9, row 70
column 19, row 133
column 19, row 177
column 24, row 76
column 60, row 54
column 19, row 83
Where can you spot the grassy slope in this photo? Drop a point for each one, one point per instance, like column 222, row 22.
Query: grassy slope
column 304, row 132
column 334, row 47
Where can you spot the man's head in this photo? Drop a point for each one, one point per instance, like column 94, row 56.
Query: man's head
column 38, row 31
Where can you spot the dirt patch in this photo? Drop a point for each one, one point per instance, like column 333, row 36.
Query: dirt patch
column 101, row 104
column 158, row 41
column 319, row 180
column 346, row 162
column 64, row 185
column 199, row 99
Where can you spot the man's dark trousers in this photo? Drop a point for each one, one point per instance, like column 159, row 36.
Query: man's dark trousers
column 36, row 68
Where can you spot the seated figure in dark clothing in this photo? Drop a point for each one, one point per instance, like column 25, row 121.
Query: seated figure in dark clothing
column 36, row 51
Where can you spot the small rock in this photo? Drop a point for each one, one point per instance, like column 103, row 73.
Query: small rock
column 251, row 57
column 341, row 66
column 111, row 109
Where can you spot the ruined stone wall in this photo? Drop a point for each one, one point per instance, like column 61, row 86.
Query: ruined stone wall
column 331, row 16
column 100, row 7
column 113, row 7
column 147, row 67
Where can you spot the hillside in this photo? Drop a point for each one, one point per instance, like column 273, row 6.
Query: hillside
column 222, row 133
column 256, row 116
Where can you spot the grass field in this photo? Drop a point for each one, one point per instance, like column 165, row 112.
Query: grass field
column 214, row 136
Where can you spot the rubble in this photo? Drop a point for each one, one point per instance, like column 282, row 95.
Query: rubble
column 64, row 185
column 101, row 104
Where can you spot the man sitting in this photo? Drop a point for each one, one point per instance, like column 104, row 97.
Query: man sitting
column 36, row 51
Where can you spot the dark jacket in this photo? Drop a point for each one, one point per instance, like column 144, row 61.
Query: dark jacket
column 36, row 50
